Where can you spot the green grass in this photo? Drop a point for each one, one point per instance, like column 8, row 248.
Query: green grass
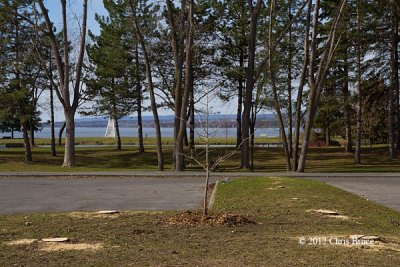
column 143, row 239
column 332, row 159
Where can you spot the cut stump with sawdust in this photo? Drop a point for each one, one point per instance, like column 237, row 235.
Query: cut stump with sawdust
column 107, row 212
column 327, row 212
column 330, row 214
column 55, row 239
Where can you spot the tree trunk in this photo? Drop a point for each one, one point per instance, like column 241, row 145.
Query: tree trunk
column 177, row 43
column 140, row 127
column 289, row 85
column 150, row 87
column 208, row 167
column 394, row 78
column 185, row 138
column 69, row 153
column 139, row 101
column 239, row 104
column 347, row 106
column 179, row 159
column 53, row 138
column 252, row 143
column 63, row 70
column 192, row 121
column 60, row 133
column 118, row 136
column 273, row 85
column 317, row 75
column 301, row 87
column 254, row 12
column 357, row 154
column 328, row 136
column 24, row 124
column 28, row 151
column 32, row 132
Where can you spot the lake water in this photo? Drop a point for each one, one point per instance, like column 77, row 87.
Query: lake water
column 149, row 132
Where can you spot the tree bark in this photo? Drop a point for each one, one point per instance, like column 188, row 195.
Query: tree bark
column 394, row 78
column 32, row 132
column 318, row 74
column 289, row 85
column 328, row 136
column 208, row 167
column 53, row 138
column 239, row 103
column 301, row 87
column 177, row 42
column 252, row 126
column 150, row 87
column 69, row 153
column 192, row 120
column 21, row 105
column 60, row 133
column 347, row 106
column 179, row 155
column 118, row 136
column 28, row 151
column 273, row 85
column 357, row 154
column 254, row 12
column 139, row 101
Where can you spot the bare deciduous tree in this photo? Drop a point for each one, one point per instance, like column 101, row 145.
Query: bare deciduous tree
column 318, row 72
column 64, row 93
column 250, row 81
column 357, row 154
column 150, row 86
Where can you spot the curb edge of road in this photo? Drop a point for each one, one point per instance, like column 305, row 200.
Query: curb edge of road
column 219, row 175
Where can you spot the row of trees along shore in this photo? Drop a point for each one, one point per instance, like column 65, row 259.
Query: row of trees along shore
column 327, row 65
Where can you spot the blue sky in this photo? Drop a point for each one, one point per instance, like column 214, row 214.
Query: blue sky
column 75, row 6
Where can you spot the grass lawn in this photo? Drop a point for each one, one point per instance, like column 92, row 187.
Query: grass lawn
column 146, row 239
column 331, row 159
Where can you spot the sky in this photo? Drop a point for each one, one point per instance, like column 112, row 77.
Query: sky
column 75, row 6
column 74, row 9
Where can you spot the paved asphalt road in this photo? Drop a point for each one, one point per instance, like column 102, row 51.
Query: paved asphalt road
column 91, row 194
column 147, row 191
column 384, row 190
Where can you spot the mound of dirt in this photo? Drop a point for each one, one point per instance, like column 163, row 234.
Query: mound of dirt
column 197, row 219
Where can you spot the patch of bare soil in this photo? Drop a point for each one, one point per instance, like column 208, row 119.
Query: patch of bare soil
column 52, row 246
column 197, row 219
column 90, row 215
column 21, row 242
column 94, row 215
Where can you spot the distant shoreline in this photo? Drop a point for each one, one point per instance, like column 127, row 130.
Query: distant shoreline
column 221, row 132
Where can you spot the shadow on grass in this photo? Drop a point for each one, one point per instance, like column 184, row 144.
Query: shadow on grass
column 129, row 159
